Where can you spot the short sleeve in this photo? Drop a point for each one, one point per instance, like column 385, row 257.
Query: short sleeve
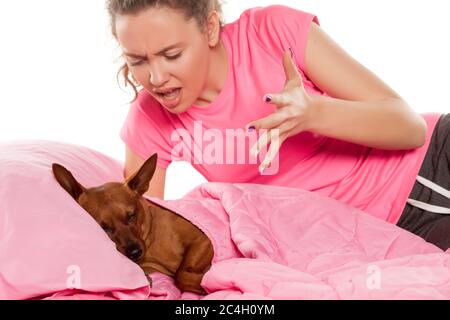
column 284, row 27
column 146, row 130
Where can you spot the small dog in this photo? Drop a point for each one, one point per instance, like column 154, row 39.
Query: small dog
column 157, row 239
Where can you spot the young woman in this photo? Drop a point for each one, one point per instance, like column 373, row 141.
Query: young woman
column 330, row 125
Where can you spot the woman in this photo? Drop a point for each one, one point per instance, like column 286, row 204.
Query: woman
column 323, row 121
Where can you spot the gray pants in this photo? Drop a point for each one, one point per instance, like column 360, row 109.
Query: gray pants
column 433, row 227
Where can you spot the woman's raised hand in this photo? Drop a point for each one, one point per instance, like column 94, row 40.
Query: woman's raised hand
column 292, row 114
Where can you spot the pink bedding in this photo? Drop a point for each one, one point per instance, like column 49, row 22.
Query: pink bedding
column 277, row 243
column 296, row 244
column 49, row 246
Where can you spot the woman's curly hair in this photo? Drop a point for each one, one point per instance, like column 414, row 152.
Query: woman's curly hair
column 197, row 9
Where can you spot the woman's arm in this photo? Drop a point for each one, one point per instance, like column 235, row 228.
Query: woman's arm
column 133, row 162
column 363, row 110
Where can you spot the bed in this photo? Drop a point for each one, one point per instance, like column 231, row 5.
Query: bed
column 270, row 242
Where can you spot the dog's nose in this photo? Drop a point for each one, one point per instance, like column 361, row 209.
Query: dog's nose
column 134, row 252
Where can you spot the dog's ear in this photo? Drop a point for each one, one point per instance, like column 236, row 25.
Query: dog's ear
column 140, row 180
column 67, row 181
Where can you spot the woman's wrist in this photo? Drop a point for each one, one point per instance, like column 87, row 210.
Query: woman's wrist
column 315, row 107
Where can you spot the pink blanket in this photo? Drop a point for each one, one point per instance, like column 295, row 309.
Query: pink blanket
column 269, row 242
column 294, row 244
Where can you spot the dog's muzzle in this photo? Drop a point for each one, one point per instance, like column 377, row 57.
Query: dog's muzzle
column 134, row 252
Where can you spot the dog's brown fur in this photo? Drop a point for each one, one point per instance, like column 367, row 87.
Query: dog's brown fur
column 159, row 240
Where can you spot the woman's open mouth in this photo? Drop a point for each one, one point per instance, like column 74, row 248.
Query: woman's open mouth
column 170, row 99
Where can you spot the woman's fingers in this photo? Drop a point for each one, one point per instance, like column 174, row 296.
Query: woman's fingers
column 275, row 143
column 268, row 135
column 275, row 137
column 290, row 68
column 261, row 143
column 271, row 121
column 278, row 99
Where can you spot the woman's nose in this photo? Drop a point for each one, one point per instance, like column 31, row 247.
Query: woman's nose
column 158, row 76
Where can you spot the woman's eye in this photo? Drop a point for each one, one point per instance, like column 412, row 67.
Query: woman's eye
column 174, row 57
column 140, row 62
column 136, row 63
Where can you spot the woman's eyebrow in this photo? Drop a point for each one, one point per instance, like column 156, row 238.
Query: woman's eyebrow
column 138, row 56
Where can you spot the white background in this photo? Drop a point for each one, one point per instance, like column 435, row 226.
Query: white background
column 58, row 65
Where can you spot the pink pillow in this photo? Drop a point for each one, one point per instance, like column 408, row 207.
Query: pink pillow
column 49, row 246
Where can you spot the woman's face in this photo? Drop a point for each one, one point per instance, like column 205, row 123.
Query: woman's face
column 164, row 52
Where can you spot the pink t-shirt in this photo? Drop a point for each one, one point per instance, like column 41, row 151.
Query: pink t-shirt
column 373, row 180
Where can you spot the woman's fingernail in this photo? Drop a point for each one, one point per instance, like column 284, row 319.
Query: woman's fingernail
column 268, row 98
column 261, row 170
column 251, row 129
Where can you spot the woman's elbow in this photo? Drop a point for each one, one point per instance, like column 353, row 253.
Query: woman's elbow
column 419, row 133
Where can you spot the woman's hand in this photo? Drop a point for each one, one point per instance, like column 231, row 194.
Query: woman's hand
column 292, row 115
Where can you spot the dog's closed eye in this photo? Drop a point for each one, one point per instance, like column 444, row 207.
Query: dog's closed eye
column 131, row 217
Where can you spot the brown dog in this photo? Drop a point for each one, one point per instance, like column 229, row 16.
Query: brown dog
column 157, row 239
